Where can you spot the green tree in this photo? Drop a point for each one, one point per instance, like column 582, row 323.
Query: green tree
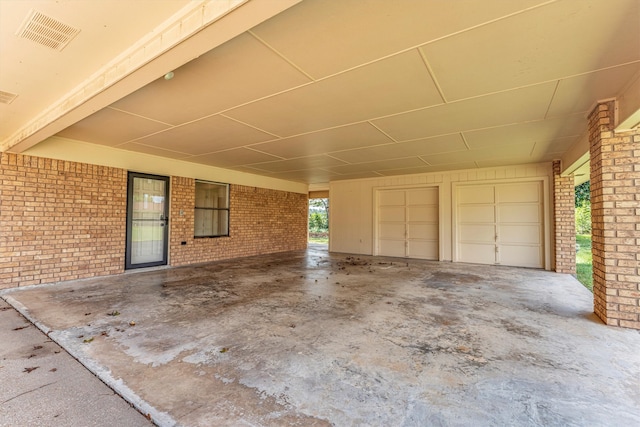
column 583, row 208
column 316, row 222
column 319, row 215
column 583, row 194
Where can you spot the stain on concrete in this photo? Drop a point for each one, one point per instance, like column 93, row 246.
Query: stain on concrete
column 518, row 328
column 309, row 338
column 448, row 280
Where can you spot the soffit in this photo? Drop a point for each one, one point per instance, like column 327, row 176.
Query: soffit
column 220, row 79
column 370, row 91
column 40, row 75
column 349, row 33
column 421, row 147
column 311, row 162
column 338, row 90
column 156, row 151
column 204, row 136
column 378, row 166
column 518, row 105
column 505, row 151
column 234, row 157
column 307, row 175
column 534, row 131
column 547, row 150
column 578, row 93
column 559, row 40
column 112, row 127
column 329, row 140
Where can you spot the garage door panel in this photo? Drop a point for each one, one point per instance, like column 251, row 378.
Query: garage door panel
column 407, row 223
column 477, row 194
column 523, row 234
column 423, row 231
column 476, row 214
column 477, row 233
column 477, row 253
column 521, row 256
column 509, row 213
column 391, row 213
column 513, row 224
column 422, row 213
column 391, row 198
column 423, row 249
column 521, row 192
column 423, row 196
column 388, row 247
column 392, row 230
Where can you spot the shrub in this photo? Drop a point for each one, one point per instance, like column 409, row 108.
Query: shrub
column 317, row 222
column 583, row 219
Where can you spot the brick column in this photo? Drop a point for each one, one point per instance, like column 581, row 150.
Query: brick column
column 615, row 217
column 564, row 213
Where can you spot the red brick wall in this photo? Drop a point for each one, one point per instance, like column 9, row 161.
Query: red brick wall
column 62, row 220
column 615, row 217
column 564, row 221
column 59, row 220
column 261, row 221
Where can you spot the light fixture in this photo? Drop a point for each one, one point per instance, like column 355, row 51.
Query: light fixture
column 169, row 75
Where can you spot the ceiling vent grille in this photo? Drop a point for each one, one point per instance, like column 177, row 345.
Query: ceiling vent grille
column 46, row 31
column 6, row 97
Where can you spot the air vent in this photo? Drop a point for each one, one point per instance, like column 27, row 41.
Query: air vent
column 6, row 97
column 46, row 30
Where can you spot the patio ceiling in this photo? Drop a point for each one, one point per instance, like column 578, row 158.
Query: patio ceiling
column 350, row 89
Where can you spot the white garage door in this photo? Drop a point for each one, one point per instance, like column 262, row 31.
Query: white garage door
column 408, row 223
column 501, row 224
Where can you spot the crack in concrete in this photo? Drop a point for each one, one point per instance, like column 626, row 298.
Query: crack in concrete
column 29, row 391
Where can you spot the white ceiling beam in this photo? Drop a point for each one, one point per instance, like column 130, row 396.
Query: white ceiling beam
column 576, row 156
column 195, row 30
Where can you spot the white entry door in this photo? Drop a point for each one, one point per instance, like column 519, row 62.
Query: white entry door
column 407, row 223
column 501, row 224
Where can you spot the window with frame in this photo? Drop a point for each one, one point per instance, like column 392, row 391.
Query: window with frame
column 211, row 210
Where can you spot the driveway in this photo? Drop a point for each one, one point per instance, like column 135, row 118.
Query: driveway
column 311, row 339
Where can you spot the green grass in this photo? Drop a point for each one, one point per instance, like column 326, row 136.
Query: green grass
column 584, row 269
column 324, row 240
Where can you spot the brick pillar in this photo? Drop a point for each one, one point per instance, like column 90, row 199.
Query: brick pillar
column 564, row 213
column 615, row 217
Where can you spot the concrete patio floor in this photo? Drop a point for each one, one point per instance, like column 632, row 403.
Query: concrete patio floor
column 313, row 339
column 41, row 385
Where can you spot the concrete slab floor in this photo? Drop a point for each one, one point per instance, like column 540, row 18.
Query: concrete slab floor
column 42, row 385
column 313, row 339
